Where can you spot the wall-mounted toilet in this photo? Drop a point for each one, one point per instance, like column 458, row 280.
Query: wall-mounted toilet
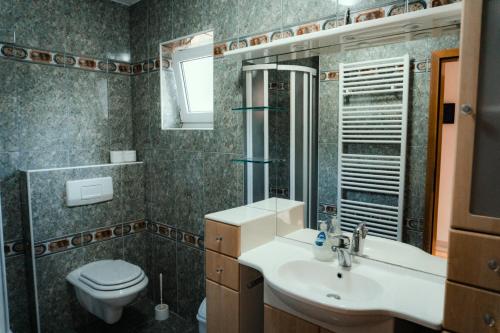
column 104, row 287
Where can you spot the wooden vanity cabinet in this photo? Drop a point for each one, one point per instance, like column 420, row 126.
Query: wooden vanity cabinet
column 472, row 299
column 234, row 292
column 278, row 321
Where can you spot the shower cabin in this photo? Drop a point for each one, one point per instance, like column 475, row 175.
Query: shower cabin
column 280, row 100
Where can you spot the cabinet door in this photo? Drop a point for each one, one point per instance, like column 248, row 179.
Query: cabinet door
column 222, row 269
column 222, row 238
column 472, row 310
column 477, row 179
column 222, row 309
column 277, row 321
column 474, row 259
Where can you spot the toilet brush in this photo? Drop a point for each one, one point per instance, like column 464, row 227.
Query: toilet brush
column 161, row 310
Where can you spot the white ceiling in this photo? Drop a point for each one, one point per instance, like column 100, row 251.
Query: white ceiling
column 126, row 2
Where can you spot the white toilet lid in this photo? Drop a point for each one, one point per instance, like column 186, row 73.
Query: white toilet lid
column 115, row 287
column 110, row 272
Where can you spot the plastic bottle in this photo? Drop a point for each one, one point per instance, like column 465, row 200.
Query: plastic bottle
column 321, row 246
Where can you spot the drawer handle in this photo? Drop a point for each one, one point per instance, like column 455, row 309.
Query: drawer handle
column 219, row 270
column 489, row 320
column 493, row 265
column 218, row 238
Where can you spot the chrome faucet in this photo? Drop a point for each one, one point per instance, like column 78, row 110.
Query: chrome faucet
column 358, row 239
column 346, row 247
column 340, row 244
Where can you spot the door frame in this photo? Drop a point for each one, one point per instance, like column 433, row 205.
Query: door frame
column 436, row 96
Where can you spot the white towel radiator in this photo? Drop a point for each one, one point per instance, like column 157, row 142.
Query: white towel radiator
column 368, row 126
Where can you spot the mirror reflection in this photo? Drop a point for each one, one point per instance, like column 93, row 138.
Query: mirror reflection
column 356, row 133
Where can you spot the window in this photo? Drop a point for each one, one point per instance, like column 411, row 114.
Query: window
column 193, row 69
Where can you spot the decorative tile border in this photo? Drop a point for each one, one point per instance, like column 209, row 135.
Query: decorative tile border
column 281, row 192
column 329, row 76
column 328, row 208
column 169, row 232
column 13, row 248
column 415, row 224
column 65, row 243
column 56, row 58
column 36, row 56
column 279, row 86
column 325, row 24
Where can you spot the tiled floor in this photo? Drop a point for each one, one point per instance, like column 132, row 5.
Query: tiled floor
column 139, row 318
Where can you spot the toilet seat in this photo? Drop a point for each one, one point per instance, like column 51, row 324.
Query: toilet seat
column 110, row 275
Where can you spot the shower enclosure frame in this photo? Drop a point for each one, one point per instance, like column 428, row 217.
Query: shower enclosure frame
column 310, row 88
column 4, row 304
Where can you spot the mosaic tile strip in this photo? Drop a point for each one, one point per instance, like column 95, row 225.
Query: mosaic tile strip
column 416, row 224
column 327, row 208
column 13, row 248
column 26, row 54
column 56, row 58
column 184, row 237
column 281, row 192
column 325, row 24
column 329, row 76
column 279, row 86
column 88, row 237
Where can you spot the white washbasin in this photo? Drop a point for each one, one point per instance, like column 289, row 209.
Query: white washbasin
column 369, row 292
column 327, row 283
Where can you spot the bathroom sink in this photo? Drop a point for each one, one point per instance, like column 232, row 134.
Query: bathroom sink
column 328, row 293
column 328, row 282
column 368, row 294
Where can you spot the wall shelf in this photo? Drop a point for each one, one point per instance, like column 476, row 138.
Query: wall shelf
column 256, row 160
column 260, row 108
column 414, row 23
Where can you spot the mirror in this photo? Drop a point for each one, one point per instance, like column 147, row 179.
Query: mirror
column 187, row 82
column 385, row 122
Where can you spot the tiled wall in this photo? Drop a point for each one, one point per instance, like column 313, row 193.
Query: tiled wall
column 56, row 116
column 189, row 173
column 66, row 238
column 420, row 52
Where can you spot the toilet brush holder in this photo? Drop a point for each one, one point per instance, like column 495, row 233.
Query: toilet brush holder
column 161, row 312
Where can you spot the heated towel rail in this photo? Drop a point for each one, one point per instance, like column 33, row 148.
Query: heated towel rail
column 373, row 112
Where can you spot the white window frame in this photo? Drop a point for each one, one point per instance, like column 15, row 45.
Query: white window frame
column 191, row 119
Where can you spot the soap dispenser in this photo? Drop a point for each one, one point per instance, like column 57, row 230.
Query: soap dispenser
column 321, row 246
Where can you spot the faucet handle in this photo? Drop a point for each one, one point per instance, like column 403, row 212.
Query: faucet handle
column 362, row 229
column 340, row 241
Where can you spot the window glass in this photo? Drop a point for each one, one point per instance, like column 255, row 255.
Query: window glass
column 198, row 84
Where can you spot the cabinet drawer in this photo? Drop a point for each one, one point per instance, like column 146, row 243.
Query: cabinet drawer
column 222, row 269
column 222, row 238
column 474, row 259
column 223, row 312
column 469, row 309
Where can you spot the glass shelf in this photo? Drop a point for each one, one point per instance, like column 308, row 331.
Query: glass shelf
column 259, row 160
column 260, row 108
